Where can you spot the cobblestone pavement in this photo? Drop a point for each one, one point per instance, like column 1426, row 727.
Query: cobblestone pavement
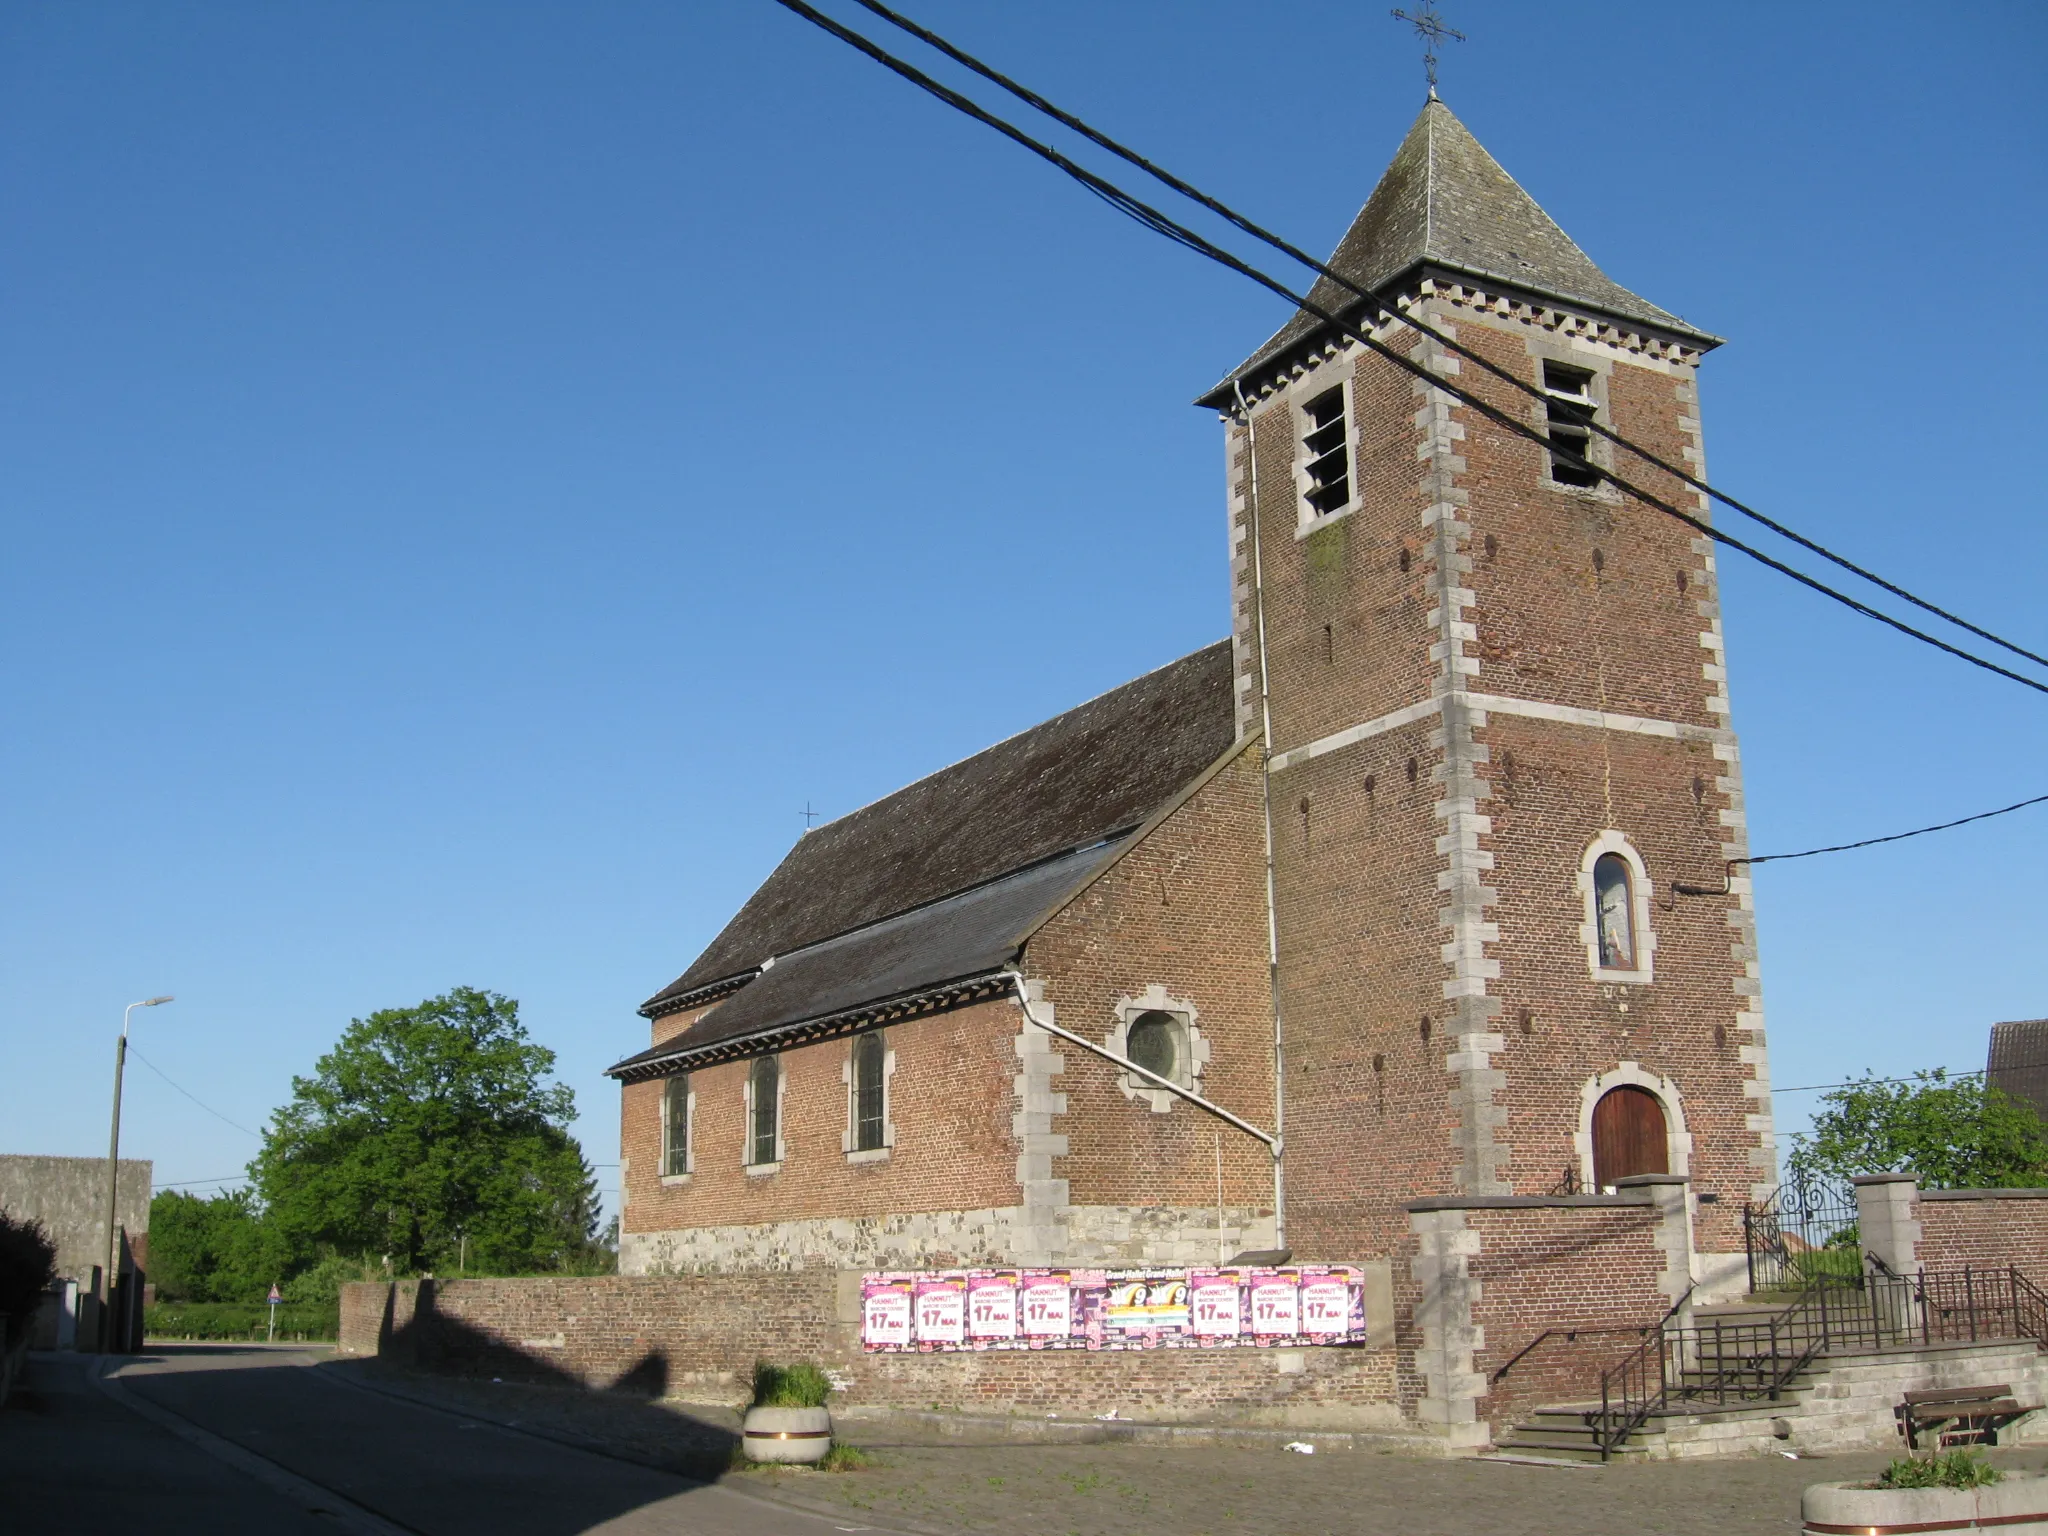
column 922, row 1481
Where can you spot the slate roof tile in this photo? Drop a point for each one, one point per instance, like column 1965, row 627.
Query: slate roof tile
column 1444, row 202
column 1073, row 781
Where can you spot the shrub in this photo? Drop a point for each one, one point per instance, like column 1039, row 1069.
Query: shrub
column 241, row 1320
column 790, row 1386
column 28, row 1263
column 321, row 1285
column 1950, row 1469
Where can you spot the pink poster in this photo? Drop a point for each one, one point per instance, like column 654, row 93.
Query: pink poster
column 992, row 1307
column 942, row 1309
column 1276, row 1304
column 980, row 1309
column 885, row 1314
column 1047, row 1302
column 1216, row 1303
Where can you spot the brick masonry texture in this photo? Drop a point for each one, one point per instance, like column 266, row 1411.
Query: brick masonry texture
column 1185, row 911
column 1986, row 1229
column 698, row 1337
column 950, row 1101
column 1482, row 1282
column 1442, row 1020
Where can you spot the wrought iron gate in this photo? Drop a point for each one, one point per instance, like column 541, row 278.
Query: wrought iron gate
column 1805, row 1232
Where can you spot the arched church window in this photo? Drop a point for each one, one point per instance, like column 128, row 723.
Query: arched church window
column 675, row 1126
column 1614, row 912
column 764, row 1096
column 1629, row 1136
column 869, row 1107
column 1158, row 1042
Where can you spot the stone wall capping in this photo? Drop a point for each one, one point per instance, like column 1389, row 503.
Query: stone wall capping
column 1980, row 1194
column 1525, row 1202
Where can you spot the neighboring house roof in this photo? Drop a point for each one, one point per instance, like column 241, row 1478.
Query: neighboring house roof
column 1445, row 203
column 2018, row 1065
column 1070, row 783
column 918, row 961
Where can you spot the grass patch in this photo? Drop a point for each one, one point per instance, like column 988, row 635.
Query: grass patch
column 790, row 1386
column 846, row 1458
column 1950, row 1469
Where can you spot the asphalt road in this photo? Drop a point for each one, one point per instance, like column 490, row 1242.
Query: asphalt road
column 220, row 1439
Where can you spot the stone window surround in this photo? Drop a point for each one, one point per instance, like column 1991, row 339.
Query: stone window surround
column 747, row 1139
column 689, row 1133
column 1629, row 1074
column 1333, row 372
column 1591, row 360
column 1641, row 974
column 1155, row 998
column 847, row 1137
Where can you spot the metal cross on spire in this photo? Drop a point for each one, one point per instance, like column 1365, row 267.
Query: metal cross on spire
column 1429, row 26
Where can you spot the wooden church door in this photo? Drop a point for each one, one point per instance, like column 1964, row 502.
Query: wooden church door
column 1628, row 1136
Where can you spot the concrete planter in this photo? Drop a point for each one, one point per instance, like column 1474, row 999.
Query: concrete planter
column 799, row 1435
column 2016, row 1507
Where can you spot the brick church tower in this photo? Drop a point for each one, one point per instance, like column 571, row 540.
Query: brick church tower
column 1499, row 733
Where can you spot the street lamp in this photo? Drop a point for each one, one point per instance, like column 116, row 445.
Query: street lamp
column 114, row 1176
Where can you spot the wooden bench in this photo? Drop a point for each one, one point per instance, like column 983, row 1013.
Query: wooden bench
column 1959, row 1413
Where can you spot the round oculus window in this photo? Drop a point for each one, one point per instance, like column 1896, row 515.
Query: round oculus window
column 1154, row 1043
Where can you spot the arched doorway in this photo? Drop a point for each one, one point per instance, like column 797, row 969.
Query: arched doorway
column 1629, row 1136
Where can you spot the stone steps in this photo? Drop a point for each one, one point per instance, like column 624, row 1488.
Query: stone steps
column 1841, row 1401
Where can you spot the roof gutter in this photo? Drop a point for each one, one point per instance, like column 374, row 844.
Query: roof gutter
column 938, row 999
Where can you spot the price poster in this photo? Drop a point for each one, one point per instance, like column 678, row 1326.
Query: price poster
column 1276, row 1305
column 1216, row 1304
column 992, row 1307
column 982, row 1309
column 942, row 1310
column 885, row 1314
column 1047, row 1302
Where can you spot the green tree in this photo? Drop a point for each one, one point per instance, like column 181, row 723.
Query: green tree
column 424, row 1126
column 1954, row 1133
column 218, row 1249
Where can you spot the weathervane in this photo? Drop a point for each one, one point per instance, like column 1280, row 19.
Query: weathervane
column 1429, row 26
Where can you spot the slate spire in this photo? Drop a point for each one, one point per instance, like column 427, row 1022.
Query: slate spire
column 1446, row 205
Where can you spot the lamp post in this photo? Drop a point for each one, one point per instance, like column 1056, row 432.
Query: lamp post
column 114, row 1178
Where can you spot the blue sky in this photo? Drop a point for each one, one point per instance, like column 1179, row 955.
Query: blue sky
column 473, row 473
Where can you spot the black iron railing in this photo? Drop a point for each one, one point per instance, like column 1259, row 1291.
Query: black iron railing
column 1721, row 1363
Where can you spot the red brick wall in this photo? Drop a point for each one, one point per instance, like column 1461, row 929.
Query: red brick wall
column 1580, row 601
column 701, row 1335
column 1186, row 910
column 1543, row 1268
column 1986, row 1229
column 950, row 1102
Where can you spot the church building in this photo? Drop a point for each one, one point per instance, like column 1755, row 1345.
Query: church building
column 1416, row 885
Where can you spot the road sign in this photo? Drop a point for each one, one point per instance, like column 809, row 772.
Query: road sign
column 274, row 1297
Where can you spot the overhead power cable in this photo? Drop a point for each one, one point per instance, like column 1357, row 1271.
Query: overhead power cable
column 192, row 1096
column 1386, row 307
column 1162, row 224
column 1872, row 842
column 1946, row 1076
